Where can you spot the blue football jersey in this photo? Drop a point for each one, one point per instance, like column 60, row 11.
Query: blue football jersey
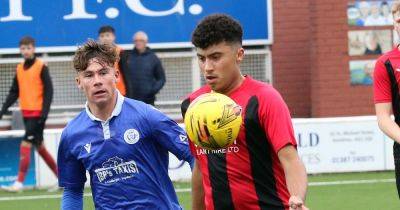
column 126, row 156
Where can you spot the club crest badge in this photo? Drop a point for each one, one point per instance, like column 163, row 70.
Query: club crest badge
column 131, row 136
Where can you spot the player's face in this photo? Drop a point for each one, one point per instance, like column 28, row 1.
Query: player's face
column 98, row 82
column 220, row 66
column 27, row 51
column 107, row 38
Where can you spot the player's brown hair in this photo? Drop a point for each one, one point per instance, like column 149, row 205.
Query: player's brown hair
column 395, row 7
column 104, row 53
column 105, row 29
column 27, row 40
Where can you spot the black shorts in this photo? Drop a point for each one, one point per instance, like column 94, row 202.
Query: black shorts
column 396, row 155
column 34, row 130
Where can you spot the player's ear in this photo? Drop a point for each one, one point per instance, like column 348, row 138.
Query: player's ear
column 78, row 82
column 116, row 73
column 240, row 55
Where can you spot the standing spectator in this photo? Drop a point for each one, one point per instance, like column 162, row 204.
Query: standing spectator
column 144, row 72
column 107, row 36
column 32, row 85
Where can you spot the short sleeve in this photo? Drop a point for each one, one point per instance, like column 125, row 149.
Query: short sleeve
column 71, row 172
column 382, row 87
column 275, row 120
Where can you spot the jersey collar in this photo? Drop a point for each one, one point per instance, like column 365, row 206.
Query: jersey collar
column 116, row 111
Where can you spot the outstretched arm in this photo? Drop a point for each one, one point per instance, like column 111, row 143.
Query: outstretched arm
column 296, row 177
column 197, row 188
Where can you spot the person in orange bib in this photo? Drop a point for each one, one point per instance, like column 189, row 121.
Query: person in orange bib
column 32, row 85
column 107, row 36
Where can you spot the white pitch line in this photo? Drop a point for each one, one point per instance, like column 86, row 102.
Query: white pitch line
column 183, row 190
column 35, row 197
column 345, row 182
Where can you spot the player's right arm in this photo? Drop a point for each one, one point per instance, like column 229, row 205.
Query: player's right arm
column 197, row 188
column 47, row 92
column 11, row 98
column 383, row 102
column 385, row 122
column 71, row 175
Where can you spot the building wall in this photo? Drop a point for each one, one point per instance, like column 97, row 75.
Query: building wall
column 291, row 54
column 311, row 62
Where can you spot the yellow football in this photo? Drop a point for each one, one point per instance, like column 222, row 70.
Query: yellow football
column 213, row 121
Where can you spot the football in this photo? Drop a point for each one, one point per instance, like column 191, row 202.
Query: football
column 213, row 121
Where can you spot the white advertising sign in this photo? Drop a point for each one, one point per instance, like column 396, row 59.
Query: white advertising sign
column 340, row 146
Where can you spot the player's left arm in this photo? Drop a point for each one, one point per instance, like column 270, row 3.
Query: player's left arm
column 277, row 123
column 296, row 176
column 47, row 92
column 170, row 135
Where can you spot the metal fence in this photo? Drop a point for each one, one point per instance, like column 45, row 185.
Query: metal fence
column 181, row 69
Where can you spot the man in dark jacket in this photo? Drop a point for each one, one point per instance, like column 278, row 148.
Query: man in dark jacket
column 144, row 72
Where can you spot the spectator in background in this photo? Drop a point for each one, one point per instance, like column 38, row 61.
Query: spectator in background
column 107, row 36
column 32, row 85
column 144, row 72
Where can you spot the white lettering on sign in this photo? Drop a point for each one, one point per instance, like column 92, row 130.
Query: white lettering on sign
column 137, row 6
column 79, row 11
column 16, row 13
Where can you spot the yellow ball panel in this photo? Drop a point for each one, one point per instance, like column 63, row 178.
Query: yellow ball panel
column 213, row 121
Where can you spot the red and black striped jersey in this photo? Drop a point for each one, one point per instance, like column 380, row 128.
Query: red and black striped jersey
column 248, row 174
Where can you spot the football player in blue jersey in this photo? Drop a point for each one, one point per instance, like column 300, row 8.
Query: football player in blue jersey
column 122, row 143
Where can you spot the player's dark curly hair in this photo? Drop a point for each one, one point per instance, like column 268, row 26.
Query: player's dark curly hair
column 215, row 29
column 104, row 53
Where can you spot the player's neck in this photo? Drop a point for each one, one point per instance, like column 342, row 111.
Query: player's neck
column 237, row 82
column 103, row 111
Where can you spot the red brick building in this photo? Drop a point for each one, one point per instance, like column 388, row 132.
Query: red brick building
column 310, row 59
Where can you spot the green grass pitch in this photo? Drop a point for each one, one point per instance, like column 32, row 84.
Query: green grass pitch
column 330, row 193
